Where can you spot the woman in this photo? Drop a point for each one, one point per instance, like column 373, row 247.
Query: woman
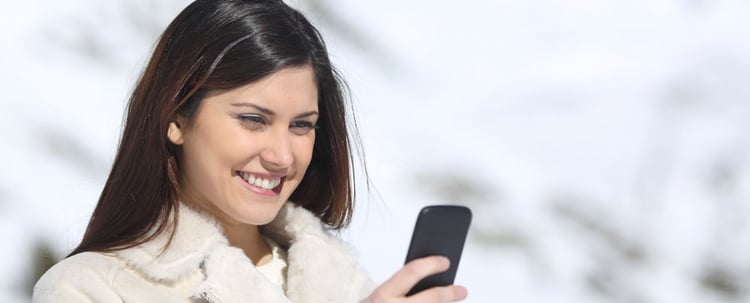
column 233, row 162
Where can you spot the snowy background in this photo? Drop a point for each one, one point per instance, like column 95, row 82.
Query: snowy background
column 604, row 146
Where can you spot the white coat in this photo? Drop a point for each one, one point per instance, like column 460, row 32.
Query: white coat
column 200, row 266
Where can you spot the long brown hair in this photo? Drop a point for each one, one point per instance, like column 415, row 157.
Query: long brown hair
column 217, row 44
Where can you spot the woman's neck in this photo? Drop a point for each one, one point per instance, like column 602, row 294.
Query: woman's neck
column 249, row 239
column 243, row 236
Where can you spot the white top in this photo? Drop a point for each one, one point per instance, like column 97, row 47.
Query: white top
column 275, row 270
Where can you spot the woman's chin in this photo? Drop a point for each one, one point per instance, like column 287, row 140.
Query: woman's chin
column 260, row 214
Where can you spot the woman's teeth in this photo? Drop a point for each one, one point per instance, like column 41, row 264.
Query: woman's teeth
column 260, row 182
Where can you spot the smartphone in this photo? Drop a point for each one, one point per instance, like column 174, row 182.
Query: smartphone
column 440, row 230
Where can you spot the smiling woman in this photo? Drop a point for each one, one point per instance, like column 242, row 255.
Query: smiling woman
column 242, row 161
column 234, row 162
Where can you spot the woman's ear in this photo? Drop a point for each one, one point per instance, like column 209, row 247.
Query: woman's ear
column 174, row 133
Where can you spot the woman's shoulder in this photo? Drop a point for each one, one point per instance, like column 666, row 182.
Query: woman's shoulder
column 83, row 263
column 82, row 277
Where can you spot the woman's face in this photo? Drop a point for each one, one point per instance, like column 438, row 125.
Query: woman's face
column 248, row 148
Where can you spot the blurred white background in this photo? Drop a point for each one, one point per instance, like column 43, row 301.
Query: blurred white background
column 603, row 145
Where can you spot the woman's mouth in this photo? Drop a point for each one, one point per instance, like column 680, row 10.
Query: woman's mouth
column 262, row 184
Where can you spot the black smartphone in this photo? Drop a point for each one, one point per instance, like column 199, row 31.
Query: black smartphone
column 440, row 230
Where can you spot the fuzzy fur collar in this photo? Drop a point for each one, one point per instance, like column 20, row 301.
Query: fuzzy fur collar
column 321, row 268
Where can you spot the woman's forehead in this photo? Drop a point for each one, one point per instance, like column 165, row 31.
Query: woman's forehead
column 288, row 88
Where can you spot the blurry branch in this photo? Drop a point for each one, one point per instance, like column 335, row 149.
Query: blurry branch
column 573, row 213
column 726, row 281
column 69, row 149
column 723, row 180
column 84, row 40
column 451, row 187
column 723, row 177
column 145, row 18
column 502, row 238
column 88, row 38
column 351, row 35
column 612, row 265
column 679, row 96
column 602, row 281
column 607, row 280
column 91, row 38
column 4, row 197
column 684, row 93
column 42, row 258
column 507, row 239
column 720, row 274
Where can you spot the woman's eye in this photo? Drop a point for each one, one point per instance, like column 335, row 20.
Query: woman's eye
column 301, row 127
column 252, row 121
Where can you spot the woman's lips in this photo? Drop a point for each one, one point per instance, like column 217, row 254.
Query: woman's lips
column 262, row 184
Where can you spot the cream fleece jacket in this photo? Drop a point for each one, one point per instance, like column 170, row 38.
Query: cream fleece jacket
column 200, row 266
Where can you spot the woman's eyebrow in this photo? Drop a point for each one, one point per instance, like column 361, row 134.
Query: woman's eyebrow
column 308, row 114
column 270, row 112
column 257, row 107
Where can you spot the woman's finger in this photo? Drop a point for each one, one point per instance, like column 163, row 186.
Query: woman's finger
column 450, row 293
column 414, row 271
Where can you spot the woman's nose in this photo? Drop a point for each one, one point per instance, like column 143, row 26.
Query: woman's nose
column 278, row 153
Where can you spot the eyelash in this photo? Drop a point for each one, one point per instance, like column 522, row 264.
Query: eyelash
column 255, row 122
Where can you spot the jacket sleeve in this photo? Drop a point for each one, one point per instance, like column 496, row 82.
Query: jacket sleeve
column 75, row 281
column 366, row 284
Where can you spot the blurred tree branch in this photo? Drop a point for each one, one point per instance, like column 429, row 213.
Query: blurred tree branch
column 147, row 19
column 726, row 281
column 69, row 149
column 42, row 258
column 349, row 33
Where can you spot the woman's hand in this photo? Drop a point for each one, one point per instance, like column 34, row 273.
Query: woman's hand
column 395, row 289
